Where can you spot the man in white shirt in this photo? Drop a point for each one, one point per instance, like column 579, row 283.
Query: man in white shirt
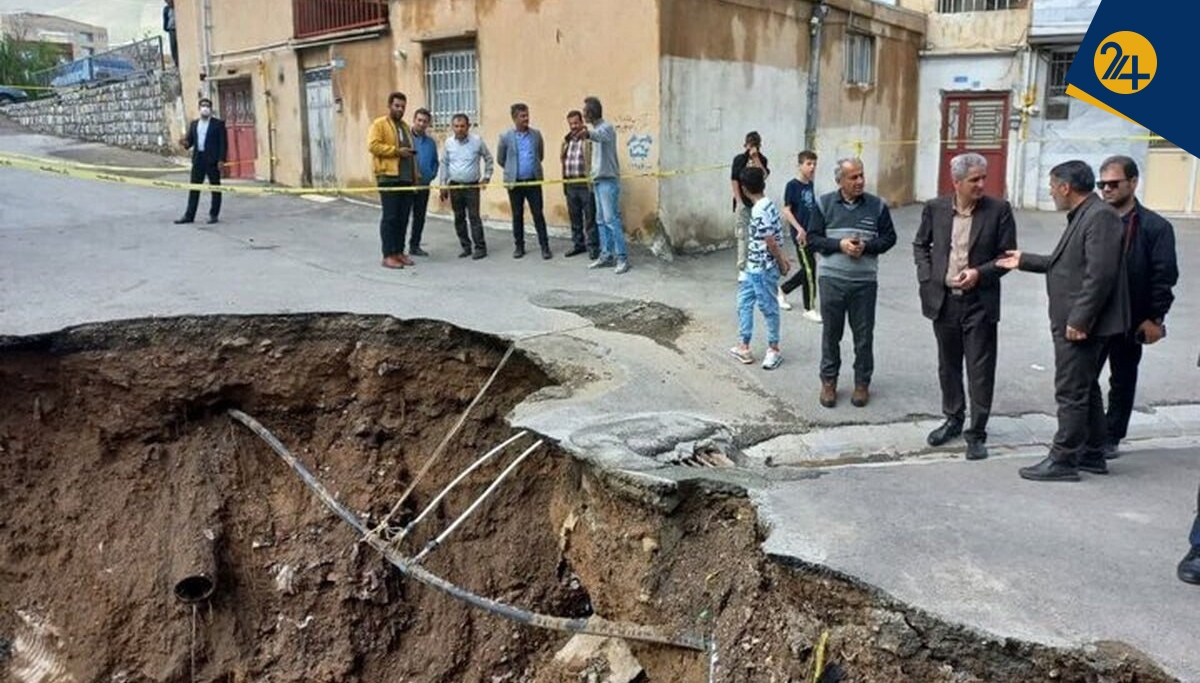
column 461, row 181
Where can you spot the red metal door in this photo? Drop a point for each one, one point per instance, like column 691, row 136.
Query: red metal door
column 237, row 110
column 975, row 122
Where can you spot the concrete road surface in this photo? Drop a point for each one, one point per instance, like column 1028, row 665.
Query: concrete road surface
column 1065, row 563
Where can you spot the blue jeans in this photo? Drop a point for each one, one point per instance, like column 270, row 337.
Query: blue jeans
column 759, row 288
column 608, row 218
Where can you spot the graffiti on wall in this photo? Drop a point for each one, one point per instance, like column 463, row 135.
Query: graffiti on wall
column 639, row 147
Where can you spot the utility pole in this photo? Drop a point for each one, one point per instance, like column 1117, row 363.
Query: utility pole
column 816, row 25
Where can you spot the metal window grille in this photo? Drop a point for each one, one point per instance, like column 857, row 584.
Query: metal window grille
column 452, row 84
column 954, row 6
column 1056, row 74
column 860, row 58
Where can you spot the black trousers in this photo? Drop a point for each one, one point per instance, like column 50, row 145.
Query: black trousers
column 964, row 333
column 1123, row 354
column 1081, row 428
column 804, row 277
column 465, row 204
column 393, row 223
column 581, row 207
column 174, row 47
column 517, row 196
column 842, row 299
column 420, row 207
column 200, row 170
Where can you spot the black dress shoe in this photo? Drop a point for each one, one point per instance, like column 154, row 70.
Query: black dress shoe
column 417, row 251
column 1050, row 469
column 948, row 430
column 464, row 253
column 593, row 254
column 185, row 219
column 1112, row 450
column 1093, row 462
column 519, row 252
column 212, row 219
column 546, row 254
column 976, row 450
column 575, row 251
column 478, row 255
column 1189, row 567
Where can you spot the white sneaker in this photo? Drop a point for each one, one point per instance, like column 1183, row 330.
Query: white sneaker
column 813, row 315
column 602, row 262
column 622, row 267
column 772, row 359
column 782, row 299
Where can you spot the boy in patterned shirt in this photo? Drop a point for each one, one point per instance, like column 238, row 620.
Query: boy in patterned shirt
column 765, row 264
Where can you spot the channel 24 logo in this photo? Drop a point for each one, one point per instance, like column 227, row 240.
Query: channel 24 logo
column 1125, row 62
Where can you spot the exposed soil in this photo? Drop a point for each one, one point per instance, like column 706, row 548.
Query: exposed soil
column 117, row 457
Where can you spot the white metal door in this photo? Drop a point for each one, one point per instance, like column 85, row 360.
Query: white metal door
column 318, row 86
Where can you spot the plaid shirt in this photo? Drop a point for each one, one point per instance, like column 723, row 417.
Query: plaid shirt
column 573, row 164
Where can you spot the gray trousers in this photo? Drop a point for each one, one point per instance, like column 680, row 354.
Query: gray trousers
column 581, row 207
column 1081, row 423
column 841, row 300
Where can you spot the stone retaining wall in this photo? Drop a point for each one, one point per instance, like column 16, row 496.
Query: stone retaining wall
column 140, row 113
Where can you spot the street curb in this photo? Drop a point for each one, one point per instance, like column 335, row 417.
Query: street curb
column 896, row 440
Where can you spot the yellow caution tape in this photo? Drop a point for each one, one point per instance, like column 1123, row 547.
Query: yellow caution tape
column 112, row 174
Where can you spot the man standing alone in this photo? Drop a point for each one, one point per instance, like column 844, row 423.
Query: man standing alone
column 427, row 162
column 1089, row 303
column 207, row 140
column 606, row 179
column 850, row 229
column 960, row 237
column 520, row 153
column 1152, row 271
column 576, row 158
column 460, row 181
column 169, row 28
column 395, row 164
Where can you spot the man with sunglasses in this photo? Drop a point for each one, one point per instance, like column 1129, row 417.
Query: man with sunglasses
column 1152, row 271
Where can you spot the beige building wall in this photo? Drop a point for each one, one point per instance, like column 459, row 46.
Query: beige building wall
column 727, row 69
column 84, row 39
column 549, row 54
column 879, row 122
column 967, row 31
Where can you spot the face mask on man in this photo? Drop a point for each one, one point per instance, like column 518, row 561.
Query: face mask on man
column 205, row 112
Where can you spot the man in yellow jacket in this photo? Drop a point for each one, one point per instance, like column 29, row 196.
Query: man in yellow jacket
column 395, row 163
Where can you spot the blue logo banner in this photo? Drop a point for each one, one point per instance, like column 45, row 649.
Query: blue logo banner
column 1136, row 63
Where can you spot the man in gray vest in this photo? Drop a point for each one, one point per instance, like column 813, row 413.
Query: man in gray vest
column 850, row 228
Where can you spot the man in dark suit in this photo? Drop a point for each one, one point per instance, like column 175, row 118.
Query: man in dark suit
column 1153, row 270
column 1089, row 304
column 960, row 237
column 207, row 141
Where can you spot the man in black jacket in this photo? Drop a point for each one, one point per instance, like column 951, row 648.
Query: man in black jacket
column 1152, row 269
column 960, row 237
column 1089, row 304
column 207, row 140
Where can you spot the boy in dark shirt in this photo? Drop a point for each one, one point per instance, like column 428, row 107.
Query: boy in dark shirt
column 799, row 201
column 751, row 157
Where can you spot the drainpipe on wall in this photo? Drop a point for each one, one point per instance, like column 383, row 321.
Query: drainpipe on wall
column 206, row 44
column 814, row 75
column 270, row 102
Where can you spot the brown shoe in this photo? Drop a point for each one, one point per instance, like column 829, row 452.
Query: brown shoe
column 392, row 262
column 861, row 396
column 406, row 260
column 828, row 393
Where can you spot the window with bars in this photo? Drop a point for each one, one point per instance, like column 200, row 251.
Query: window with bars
column 452, row 84
column 860, row 58
column 1058, row 104
column 955, row 6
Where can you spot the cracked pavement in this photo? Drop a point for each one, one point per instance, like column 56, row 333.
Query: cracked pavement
column 646, row 378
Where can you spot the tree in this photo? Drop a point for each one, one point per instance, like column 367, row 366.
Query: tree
column 21, row 61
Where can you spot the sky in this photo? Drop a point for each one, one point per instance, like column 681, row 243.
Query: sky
column 126, row 20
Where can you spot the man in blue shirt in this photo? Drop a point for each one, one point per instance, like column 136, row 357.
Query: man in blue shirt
column 520, row 153
column 427, row 163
